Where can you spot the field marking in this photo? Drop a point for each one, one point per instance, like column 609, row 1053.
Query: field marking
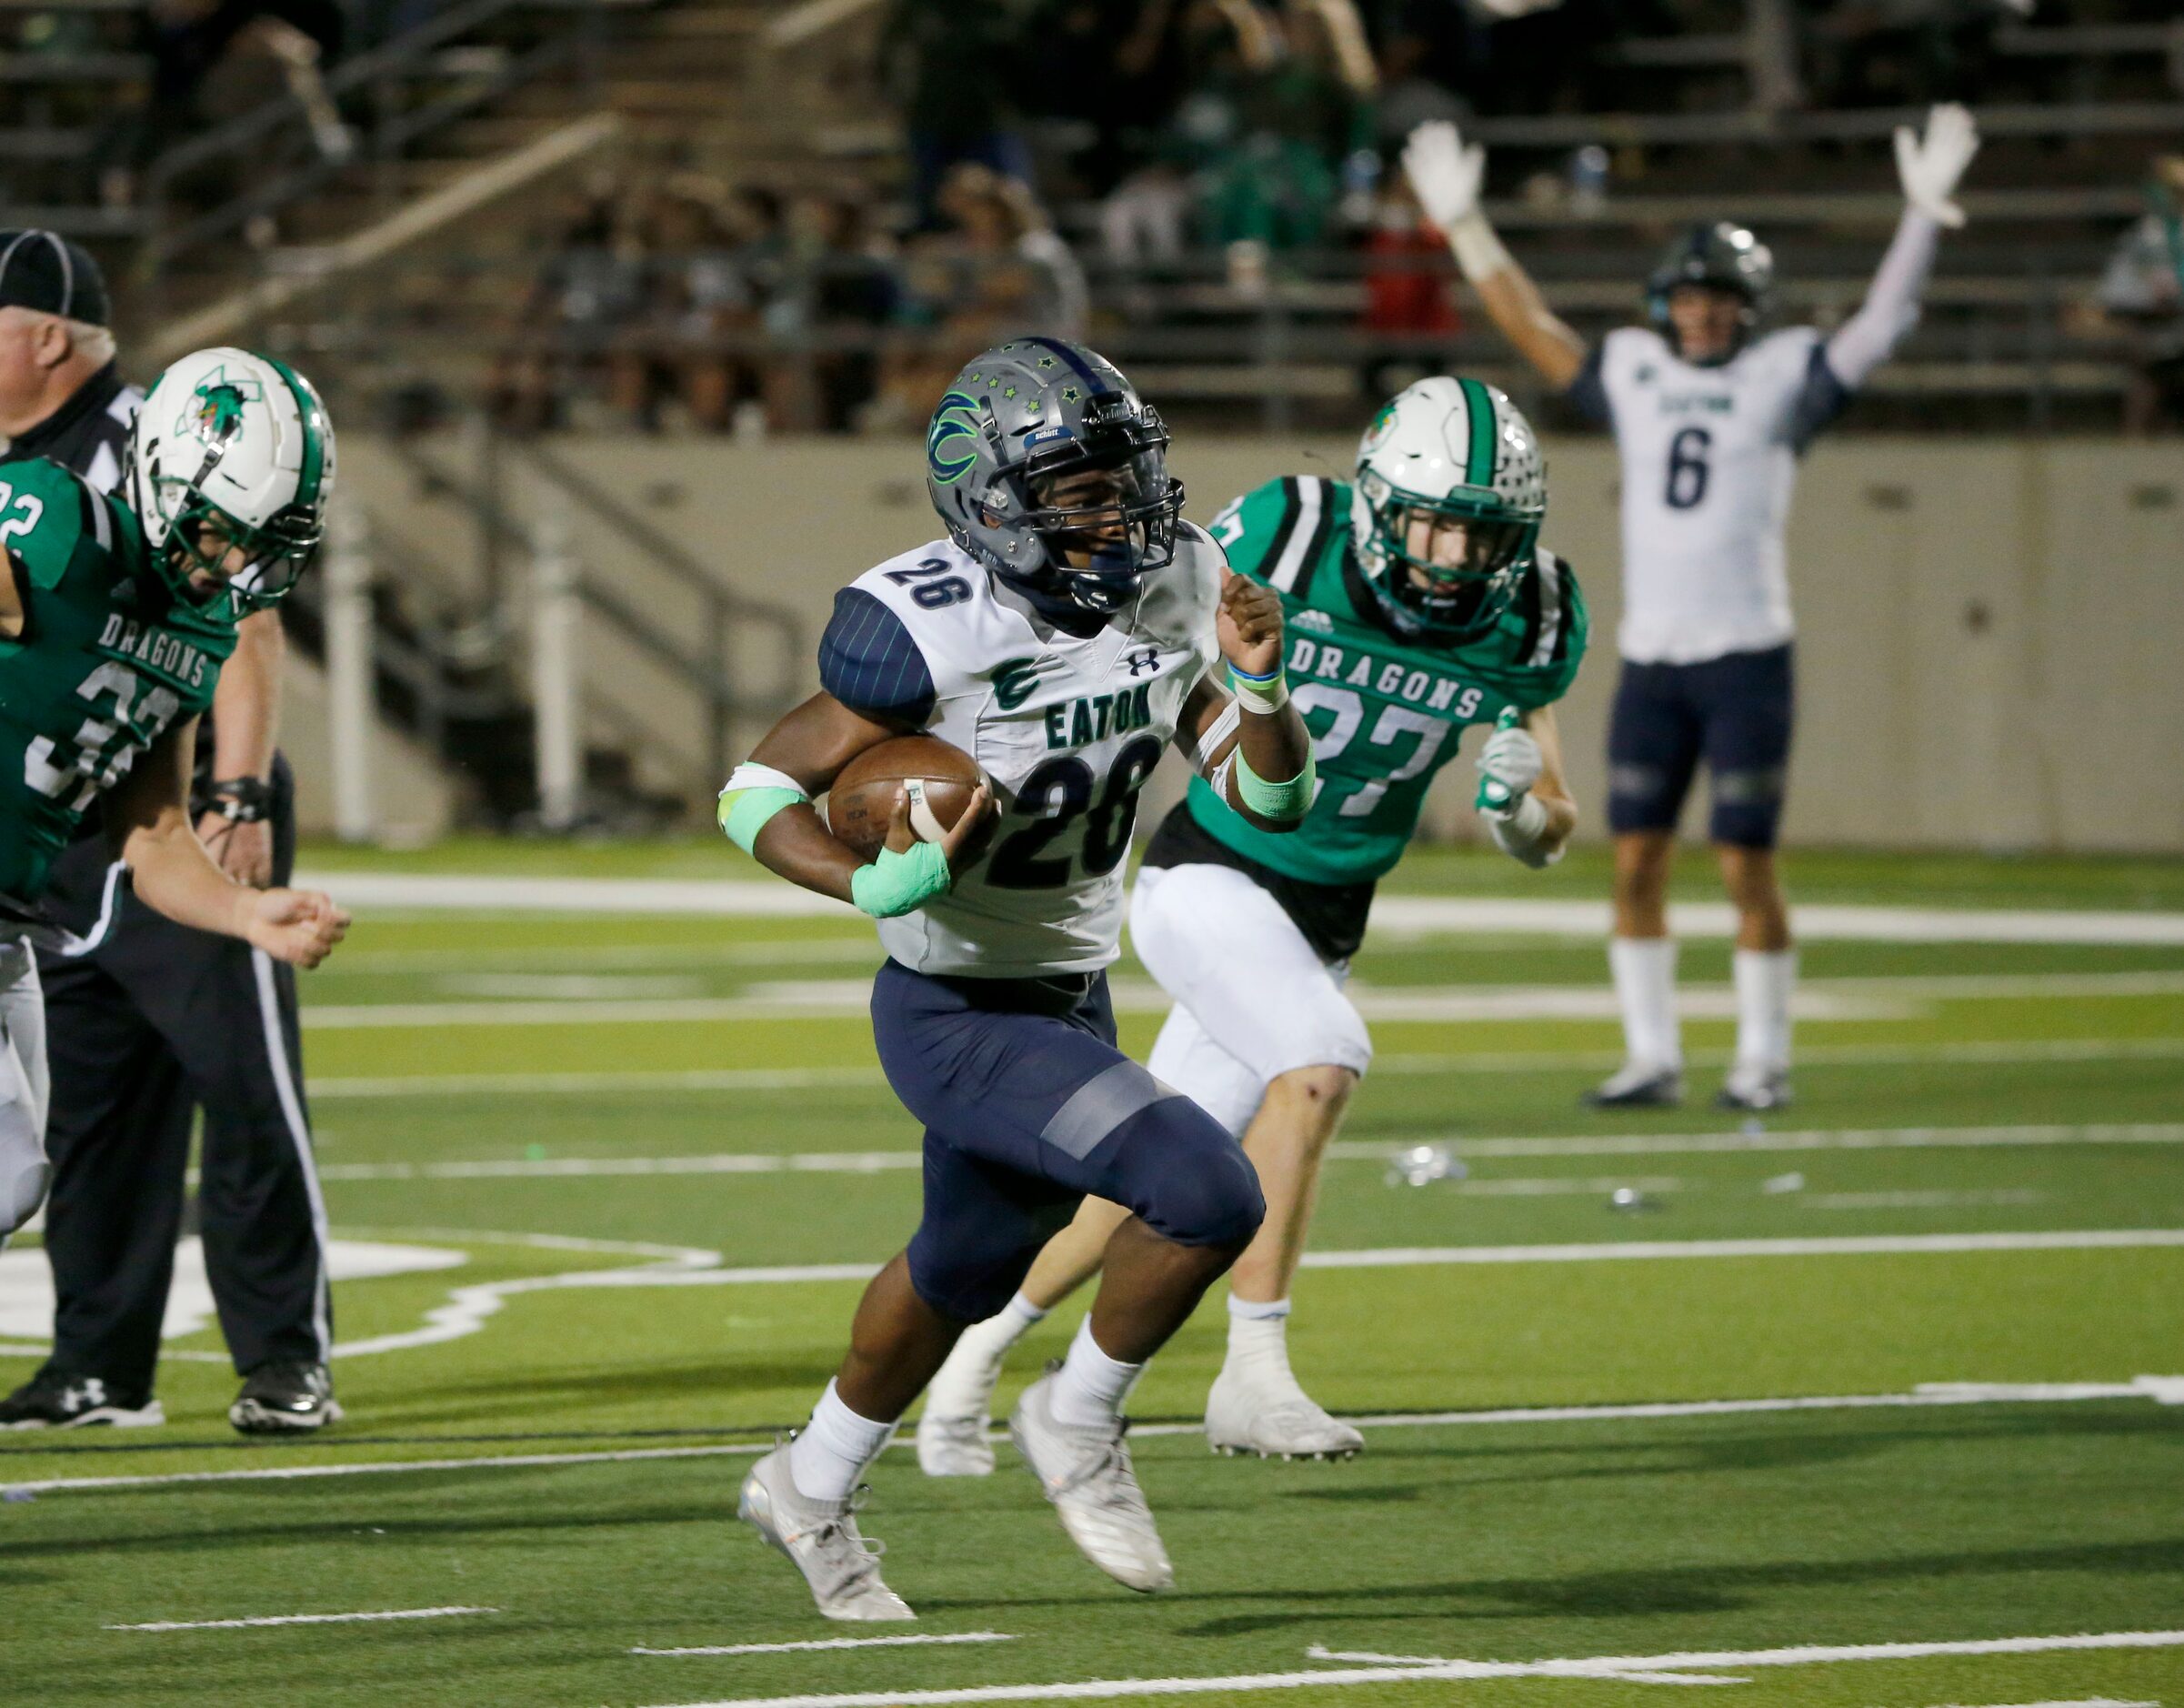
column 2074, row 1701
column 1915, row 1201
column 1381, row 1151
column 1403, row 915
column 2148, row 1388
column 577, row 1000
column 306, row 1619
column 834, row 1643
column 1644, row 1668
column 466, row 1310
column 701, row 1080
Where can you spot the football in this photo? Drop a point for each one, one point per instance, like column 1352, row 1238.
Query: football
column 941, row 779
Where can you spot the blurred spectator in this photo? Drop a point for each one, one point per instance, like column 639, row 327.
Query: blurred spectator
column 189, row 41
column 1111, row 73
column 590, row 291
column 950, row 67
column 997, row 269
column 2143, row 291
column 1884, row 53
column 842, row 291
column 1276, row 122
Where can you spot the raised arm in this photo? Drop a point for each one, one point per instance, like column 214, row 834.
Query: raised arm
column 1930, row 167
column 1251, row 746
column 1447, row 177
column 147, row 816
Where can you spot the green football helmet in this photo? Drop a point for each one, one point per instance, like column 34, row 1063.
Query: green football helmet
column 1448, row 453
column 237, row 445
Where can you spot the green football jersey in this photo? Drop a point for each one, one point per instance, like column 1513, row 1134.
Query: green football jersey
column 1385, row 713
column 107, row 661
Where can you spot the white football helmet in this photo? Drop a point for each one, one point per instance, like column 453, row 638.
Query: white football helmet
column 1447, row 450
column 240, row 442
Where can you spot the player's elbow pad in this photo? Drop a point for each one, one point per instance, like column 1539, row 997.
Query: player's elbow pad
column 753, row 796
column 1282, row 805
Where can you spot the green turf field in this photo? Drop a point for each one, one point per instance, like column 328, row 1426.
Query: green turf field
column 1850, row 1411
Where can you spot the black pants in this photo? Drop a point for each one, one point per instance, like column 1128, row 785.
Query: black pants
column 154, row 1022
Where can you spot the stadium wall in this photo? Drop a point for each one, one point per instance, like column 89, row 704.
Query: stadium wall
column 1991, row 634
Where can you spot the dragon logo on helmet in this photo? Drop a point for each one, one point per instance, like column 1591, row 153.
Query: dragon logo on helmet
column 214, row 411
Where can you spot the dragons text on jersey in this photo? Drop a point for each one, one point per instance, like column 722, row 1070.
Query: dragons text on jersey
column 1069, row 728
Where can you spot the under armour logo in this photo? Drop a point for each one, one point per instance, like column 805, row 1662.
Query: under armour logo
column 82, row 1399
column 1150, row 660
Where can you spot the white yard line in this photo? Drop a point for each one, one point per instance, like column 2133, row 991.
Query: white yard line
column 306, row 1619
column 834, row 1643
column 1404, row 915
column 1914, row 1201
column 2151, row 1388
column 466, row 1310
column 703, row 1080
column 1829, row 1245
column 1383, row 1152
column 1680, row 1669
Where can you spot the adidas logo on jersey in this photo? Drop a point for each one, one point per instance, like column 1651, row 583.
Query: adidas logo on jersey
column 1318, row 621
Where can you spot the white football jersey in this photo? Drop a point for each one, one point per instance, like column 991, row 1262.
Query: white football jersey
column 1709, row 462
column 1068, row 729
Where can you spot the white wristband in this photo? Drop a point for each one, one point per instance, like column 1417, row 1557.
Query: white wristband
column 1478, row 252
column 1265, row 698
column 1518, row 833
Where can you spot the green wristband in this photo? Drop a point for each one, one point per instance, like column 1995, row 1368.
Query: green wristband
column 1284, row 803
column 901, row 883
column 746, row 811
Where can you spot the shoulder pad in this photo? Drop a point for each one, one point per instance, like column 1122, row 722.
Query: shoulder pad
column 45, row 510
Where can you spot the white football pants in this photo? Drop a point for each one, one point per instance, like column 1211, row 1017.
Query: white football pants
column 1253, row 999
column 24, row 1086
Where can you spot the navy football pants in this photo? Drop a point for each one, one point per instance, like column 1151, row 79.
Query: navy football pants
column 1028, row 1107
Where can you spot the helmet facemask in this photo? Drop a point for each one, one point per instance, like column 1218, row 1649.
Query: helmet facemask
column 276, row 552
column 1459, row 593
column 1102, row 511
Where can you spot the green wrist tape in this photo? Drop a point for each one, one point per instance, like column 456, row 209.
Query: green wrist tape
column 746, row 811
column 1493, row 794
column 1284, row 803
column 901, row 883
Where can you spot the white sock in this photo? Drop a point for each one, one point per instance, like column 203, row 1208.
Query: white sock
column 966, row 1382
column 826, row 1459
column 1088, row 1388
column 1258, row 1337
column 1764, row 979
column 1645, row 984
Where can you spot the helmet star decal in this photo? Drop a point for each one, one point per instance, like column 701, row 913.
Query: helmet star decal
column 214, row 411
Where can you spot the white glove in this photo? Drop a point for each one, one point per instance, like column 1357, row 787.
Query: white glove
column 1443, row 173
column 1511, row 758
column 1930, row 167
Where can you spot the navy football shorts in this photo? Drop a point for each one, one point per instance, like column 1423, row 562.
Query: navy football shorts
column 1028, row 1107
column 1736, row 711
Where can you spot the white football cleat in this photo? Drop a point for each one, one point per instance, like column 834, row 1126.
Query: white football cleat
column 1274, row 1417
column 1637, row 1085
column 951, row 1431
column 1755, row 1087
column 953, row 1446
column 821, row 1541
column 1087, row 1473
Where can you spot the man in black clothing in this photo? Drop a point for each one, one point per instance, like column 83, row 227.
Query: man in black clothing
column 147, row 1019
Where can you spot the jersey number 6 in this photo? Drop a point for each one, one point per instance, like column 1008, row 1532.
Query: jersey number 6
column 1687, row 469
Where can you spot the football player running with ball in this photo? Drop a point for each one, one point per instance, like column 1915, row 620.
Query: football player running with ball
column 114, row 619
column 1067, row 631
column 1419, row 602
column 1710, row 411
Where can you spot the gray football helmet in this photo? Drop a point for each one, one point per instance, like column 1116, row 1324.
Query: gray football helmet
column 1017, row 419
column 1723, row 255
